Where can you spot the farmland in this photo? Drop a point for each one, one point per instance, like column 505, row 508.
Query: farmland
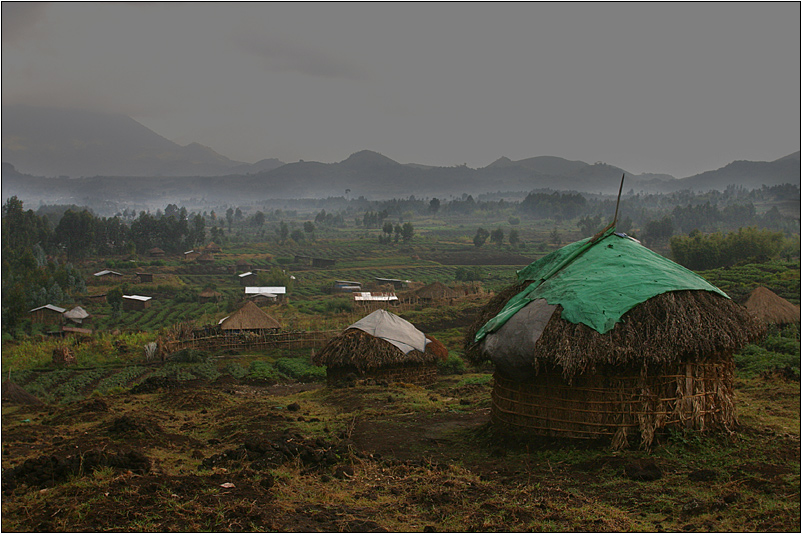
column 254, row 440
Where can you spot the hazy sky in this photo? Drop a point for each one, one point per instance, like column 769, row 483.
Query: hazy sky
column 676, row 88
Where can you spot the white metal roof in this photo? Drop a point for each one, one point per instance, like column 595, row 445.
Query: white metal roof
column 374, row 297
column 137, row 297
column 243, row 275
column 105, row 272
column 49, row 307
column 276, row 290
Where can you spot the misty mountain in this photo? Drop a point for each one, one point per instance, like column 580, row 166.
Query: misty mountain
column 747, row 174
column 121, row 160
column 56, row 142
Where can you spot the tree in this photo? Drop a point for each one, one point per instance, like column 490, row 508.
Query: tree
column 554, row 237
column 434, row 205
column 283, row 231
column 514, row 238
column 407, row 232
column 497, row 236
column 309, row 228
column 298, row 236
column 259, row 219
column 229, row 218
column 480, row 237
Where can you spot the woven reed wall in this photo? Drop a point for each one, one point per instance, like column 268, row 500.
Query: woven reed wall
column 618, row 407
column 411, row 374
column 252, row 341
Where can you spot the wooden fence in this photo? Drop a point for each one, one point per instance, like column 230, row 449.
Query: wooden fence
column 253, row 341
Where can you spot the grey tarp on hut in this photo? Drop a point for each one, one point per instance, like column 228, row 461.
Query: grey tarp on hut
column 390, row 327
column 76, row 315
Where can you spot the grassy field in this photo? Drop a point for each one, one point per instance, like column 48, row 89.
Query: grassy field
column 244, row 440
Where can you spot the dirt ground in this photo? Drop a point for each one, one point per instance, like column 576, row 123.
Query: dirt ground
column 234, row 456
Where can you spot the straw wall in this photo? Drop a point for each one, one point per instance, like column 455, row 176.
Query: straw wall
column 415, row 373
column 618, row 405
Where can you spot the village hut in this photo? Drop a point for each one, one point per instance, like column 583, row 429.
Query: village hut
column 434, row 292
column 136, row 302
column 47, row 314
column 77, row 315
column 381, row 346
column 206, row 257
column 249, row 318
column 771, row 308
column 605, row 339
column 213, row 247
column 15, row 395
column 209, row 295
column 155, row 252
column 144, row 277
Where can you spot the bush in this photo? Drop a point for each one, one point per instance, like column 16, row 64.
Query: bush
column 454, row 365
column 260, row 370
column 189, row 356
column 300, row 369
column 235, row 370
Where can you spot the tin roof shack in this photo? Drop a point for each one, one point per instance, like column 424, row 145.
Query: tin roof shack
column 47, row 314
column 77, row 315
column 273, row 293
column 246, row 278
column 136, row 302
column 374, row 300
column 191, row 255
column 106, row 277
column 346, row 286
column 395, row 282
column 144, row 277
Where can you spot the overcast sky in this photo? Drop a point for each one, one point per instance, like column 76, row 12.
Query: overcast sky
column 677, row 88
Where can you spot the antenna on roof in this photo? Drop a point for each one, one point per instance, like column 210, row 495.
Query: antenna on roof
column 615, row 217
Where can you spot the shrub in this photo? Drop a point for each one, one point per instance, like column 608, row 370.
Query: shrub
column 260, row 370
column 235, row 370
column 454, row 365
column 300, row 369
column 189, row 356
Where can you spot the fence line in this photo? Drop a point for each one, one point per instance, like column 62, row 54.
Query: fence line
column 293, row 340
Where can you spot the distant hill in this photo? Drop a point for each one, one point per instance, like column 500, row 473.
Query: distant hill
column 55, row 142
column 747, row 174
column 114, row 158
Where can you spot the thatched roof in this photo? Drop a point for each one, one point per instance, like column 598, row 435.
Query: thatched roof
column 671, row 325
column 14, row 394
column 435, row 290
column 771, row 308
column 249, row 317
column 389, row 344
column 210, row 293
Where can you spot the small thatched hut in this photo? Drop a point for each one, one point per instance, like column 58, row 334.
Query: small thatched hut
column 14, row 394
column 771, row 308
column 605, row 339
column 381, row 346
column 209, row 295
column 249, row 318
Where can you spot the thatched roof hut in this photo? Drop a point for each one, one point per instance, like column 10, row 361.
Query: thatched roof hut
column 249, row 318
column 14, row 394
column 382, row 346
column 209, row 295
column 771, row 308
column 607, row 339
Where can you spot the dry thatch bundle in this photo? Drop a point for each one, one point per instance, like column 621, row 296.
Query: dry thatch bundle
column 64, row 356
column 14, row 394
column 435, row 291
column 249, row 317
column 670, row 327
column 364, row 352
column 769, row 307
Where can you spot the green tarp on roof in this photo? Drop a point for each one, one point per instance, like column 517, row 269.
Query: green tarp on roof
column 598, row 282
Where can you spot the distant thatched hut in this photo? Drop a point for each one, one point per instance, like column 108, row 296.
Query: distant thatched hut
column 249, row 318
column 606, row 339
column 381, row 346
column 771, row 308
column 155, row 252
column 205, row 257
column 209, row 295
column 213, row 247
column 14, row 394
column 434, row 292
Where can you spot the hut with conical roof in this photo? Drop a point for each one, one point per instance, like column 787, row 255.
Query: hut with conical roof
column 771, row 308
column 381, row 346
column 249, row 318
column 605, row 339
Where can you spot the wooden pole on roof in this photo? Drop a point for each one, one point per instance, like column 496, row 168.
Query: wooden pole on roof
column 615, row 217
